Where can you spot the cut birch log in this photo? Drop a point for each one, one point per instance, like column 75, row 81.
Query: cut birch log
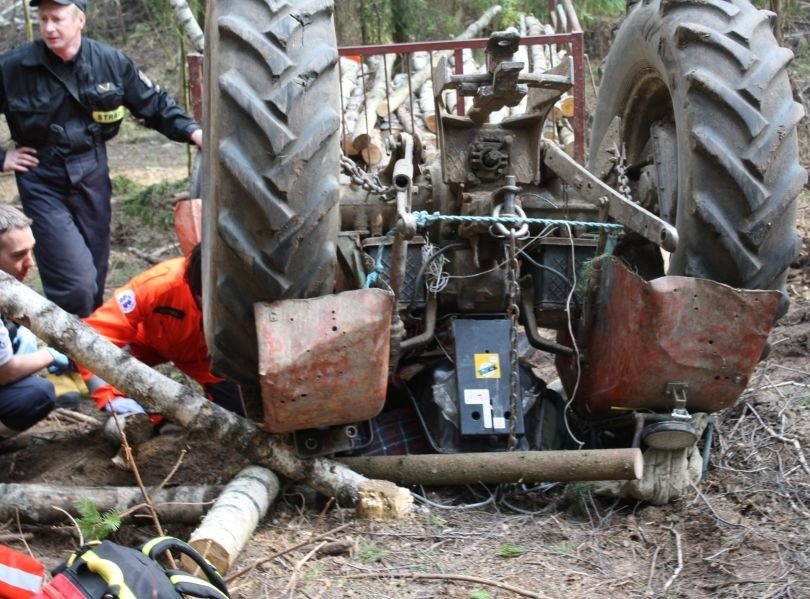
column 383, row 500
column 373, row 150
column 392, row 124
column 427, row 106
column 537, row 53
column 230, row 522
column 567, row 106
column 502, row 467
column 367, row 119
column 566, row 136
column 419, row 60
column 43, row 503
column 413, row 124
column 351, row 109
column 161, row 394
column 420, row 72
column 349, row 75
column 421, row 76
column 561, row 23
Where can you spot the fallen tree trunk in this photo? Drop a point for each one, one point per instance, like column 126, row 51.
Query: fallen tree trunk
column 159, row 393
column 229, row 524
column 502, row 467
column 42, row 503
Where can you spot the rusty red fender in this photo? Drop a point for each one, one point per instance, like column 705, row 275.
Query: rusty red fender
column 324, row 361
column 646, row 335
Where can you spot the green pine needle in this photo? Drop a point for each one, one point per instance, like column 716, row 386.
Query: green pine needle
column 93, row 524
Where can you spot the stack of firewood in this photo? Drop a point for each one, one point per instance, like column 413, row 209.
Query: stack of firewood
column 381, row 95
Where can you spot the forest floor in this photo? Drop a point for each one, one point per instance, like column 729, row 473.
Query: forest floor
column 744, row 531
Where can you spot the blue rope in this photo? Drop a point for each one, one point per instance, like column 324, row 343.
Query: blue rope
column 423, row 219
column 373, row 277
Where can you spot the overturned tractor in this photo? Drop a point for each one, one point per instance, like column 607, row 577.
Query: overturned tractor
column 653, row 276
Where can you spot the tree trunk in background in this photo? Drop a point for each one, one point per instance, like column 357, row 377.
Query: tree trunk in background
column 29, row 27
column 188, row 23
column 400, row 12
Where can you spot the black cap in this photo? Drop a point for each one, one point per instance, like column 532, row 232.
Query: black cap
column 82, row 4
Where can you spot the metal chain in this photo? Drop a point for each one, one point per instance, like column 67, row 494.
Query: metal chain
column 513, row 311
column 367, row 181
column 621, row 168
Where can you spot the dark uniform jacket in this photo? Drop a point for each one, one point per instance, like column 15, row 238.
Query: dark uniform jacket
column 66, row 108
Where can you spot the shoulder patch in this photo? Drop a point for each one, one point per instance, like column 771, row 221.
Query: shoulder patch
column 126, row 300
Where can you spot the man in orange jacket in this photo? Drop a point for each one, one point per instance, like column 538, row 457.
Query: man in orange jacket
column 157, row 317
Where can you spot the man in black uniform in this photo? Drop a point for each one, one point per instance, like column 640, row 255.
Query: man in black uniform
column 64, row 97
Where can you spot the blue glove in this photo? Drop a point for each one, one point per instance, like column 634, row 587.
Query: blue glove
column 26, row 342
column 124, row 405
column 61, row 363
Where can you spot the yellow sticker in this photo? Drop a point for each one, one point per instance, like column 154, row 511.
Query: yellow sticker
column 108, row 116
column 487, row 366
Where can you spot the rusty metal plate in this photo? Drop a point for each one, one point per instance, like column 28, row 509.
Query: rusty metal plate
column 646, row 335
column 323, row 361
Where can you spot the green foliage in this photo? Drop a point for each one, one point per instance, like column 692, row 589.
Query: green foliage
column 93, row 524
column 371, row 553
column 479, row 594
column 385, row 21
column 576, row 499
column 437, row 521
column 510, row 549
column 148, row 204
column 315, row 572
column 590, row 11
column 512, row 9
column 161, row 14
column 376, row 18
column 562, row 548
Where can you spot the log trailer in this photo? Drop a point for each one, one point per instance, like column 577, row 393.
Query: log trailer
column 653, row 274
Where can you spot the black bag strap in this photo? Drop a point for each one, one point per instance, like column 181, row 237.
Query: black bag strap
column 213, row 588
column 95, row 573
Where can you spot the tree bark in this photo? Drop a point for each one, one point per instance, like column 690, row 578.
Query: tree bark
column 414, row 124
column 229, row 524
column 160, row 394
column 427, row 106
column 502, row 467
column 41, row 503
column 539, row 59
column 363, row 135
column 188, row 23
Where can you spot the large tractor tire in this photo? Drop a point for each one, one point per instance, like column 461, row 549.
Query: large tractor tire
column 709, row 128
column 270, row 188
